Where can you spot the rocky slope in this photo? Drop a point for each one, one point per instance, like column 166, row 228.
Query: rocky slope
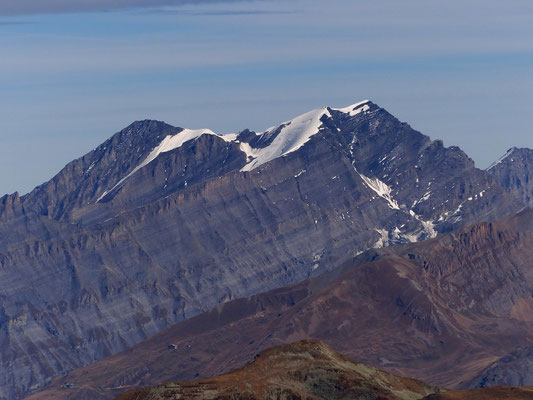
column 514, row 171
column 305, row 370
column 494, row 393
column 515, row 368
column 159, row 224
column 442, row 310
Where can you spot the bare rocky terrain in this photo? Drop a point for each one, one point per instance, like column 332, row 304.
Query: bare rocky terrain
column 304, row 370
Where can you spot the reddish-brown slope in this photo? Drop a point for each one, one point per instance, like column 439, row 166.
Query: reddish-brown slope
column 441, row 311
column 308, row 369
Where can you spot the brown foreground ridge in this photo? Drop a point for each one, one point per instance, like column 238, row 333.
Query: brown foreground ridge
column 493, row 393
column 308, row 369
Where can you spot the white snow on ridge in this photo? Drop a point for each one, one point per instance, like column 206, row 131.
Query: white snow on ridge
column 169, row 143
column 382, row 189
column 499, row 160
column 354, row 109
column 292, row 136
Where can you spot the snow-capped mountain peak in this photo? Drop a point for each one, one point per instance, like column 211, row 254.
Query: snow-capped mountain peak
column 264, row 147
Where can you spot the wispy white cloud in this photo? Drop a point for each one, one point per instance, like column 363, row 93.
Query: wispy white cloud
column 28, row 7
column 210, row 13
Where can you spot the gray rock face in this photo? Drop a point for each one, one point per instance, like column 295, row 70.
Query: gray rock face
column 115, row 248
column 440, row 310
column 514, row 171
column 516, row 369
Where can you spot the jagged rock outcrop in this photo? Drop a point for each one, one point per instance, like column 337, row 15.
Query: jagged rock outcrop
column 514, row 171
column 443, row 310
column 159, row 224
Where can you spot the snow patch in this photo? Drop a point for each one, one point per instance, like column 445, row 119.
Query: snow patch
column 382, row 189
column 90, row 167
column 428, row 228
column 293, row 135
column 247, row 149
column 425, row 197
column 457, row 212
column 383, row 241
column 354, row 109
column 169, row 143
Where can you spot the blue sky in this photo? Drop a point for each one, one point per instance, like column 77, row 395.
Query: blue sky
column 73, row 72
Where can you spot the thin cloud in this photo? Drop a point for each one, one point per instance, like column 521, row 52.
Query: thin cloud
column 31, row 7
column 7, row 23
column 222, row 13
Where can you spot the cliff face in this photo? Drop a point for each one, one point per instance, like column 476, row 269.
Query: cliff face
column 445, row 310
column 159, row 224
column 514, row 171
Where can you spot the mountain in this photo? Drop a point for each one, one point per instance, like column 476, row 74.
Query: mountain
column 306, row 369
column 159, row 224
column 514, row 171
column 442, row 310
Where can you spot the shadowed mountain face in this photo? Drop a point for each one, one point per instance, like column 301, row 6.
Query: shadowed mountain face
column 514, row 171
column 305, row 370
column 442, row 310
column 159, row 224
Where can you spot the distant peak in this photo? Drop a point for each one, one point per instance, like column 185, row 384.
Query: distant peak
column 146, row 124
